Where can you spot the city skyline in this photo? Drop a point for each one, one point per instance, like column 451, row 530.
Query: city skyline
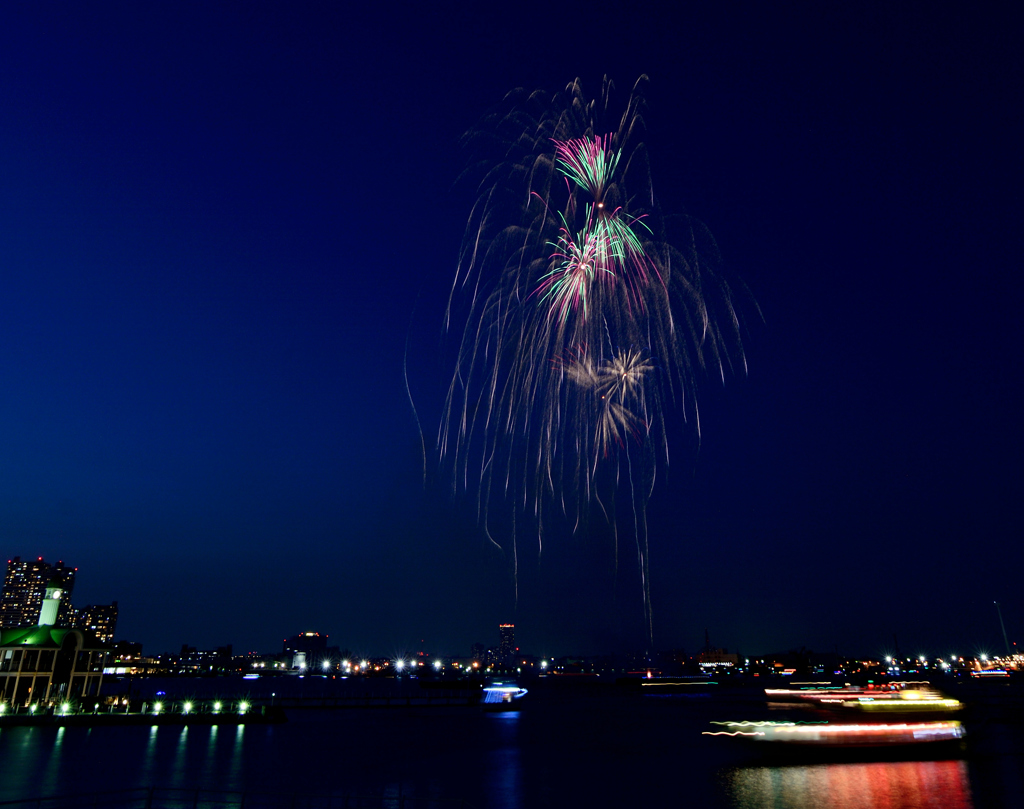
column 228, row 244
column 21, row 607
column 35, row 592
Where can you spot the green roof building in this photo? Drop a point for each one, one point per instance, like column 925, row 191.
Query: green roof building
column 46, row 664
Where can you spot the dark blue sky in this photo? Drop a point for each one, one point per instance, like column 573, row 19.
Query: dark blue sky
column 218, row 227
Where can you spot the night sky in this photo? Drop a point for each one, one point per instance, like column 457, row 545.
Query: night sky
column 220, row 227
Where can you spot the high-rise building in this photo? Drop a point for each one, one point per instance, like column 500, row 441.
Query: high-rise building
column 311, row 643
column 506, row 641
column 307, row 649
column 25, row 590
column 99, row 619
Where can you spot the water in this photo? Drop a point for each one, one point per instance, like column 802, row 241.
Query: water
column 562, row 749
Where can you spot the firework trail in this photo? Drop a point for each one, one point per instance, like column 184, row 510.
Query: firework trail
column 582, row 323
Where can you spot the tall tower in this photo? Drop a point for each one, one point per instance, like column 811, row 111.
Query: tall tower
column 52, row 598
column 506, row 642
column 25, row 590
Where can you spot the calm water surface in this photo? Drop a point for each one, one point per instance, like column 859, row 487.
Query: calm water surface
column 559, row 750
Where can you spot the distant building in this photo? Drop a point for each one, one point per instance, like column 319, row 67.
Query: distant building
column 203, row 661
column 126, row 650
column 99, row 619
column 25, row 588
column 306, row 649
column 711, row 657
column 126, row 658
column 506, row 642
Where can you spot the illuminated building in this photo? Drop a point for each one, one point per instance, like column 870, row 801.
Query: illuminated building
column 306, row 649
column 24, row 590
column 99, row 619
column 711, row 657
column 45, row 663
column 203, row 661
column 312, row 643
column 506, row 642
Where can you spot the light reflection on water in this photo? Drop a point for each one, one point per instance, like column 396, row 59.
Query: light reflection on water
column 178, row 770
column 21, row 752
column 147, row 763
column 894, row 785
column 53, row 765
column 211, row 753
column 234, row 774
column 504, row 766
column 559, row 756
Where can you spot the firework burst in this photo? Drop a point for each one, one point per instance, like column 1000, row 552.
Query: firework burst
column 589, row 162
column 582, row 324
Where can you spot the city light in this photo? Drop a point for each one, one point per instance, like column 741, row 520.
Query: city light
column 65, row 707
column 399, row 664
column 186, row 707
column 157, row 707
column 243, row 706
column 217, row 706
column 327, row 665
column 437, row 665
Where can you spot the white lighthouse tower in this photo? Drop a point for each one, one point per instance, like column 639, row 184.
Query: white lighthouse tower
column 51, row 603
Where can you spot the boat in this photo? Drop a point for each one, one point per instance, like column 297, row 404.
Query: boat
column 867, row 704
column 852, row 717
column 842, row 734
column 501, row 696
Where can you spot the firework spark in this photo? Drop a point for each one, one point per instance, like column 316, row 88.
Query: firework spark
column 584, row 325
column 589, row 162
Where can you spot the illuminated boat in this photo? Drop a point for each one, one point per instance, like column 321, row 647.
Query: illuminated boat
column 499, row 696
column 842, row 734
column 854, row 717
column 869, row 703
